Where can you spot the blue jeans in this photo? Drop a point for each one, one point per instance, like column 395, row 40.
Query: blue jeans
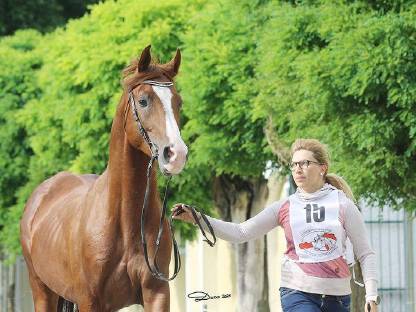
column 299, row 301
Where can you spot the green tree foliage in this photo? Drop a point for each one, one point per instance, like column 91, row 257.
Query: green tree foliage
column 385, row 6
column 218, row 88
column 346, row 76
column 18, row 86
column 380, row 6
column 39, row 14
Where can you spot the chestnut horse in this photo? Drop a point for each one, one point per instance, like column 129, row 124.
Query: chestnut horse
column 80, row 234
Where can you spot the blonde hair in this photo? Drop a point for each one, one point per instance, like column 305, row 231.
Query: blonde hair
column 321, row 154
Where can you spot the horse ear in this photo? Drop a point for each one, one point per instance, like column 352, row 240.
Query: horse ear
column 173, row 65
column 145, row 59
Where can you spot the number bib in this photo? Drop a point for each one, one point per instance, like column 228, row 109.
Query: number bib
column 316, row 229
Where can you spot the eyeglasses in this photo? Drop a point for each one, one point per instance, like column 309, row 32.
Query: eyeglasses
column 302, row 164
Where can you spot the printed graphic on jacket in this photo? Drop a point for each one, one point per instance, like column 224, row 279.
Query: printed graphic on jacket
column 318, row 241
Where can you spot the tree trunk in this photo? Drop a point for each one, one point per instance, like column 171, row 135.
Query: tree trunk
column 237, row 201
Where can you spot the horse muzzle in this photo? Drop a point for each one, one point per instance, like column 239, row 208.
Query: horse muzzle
column 173, row 158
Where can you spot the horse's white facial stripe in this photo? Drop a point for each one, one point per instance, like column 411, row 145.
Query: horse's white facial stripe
column 178, row 148
column 172, row 130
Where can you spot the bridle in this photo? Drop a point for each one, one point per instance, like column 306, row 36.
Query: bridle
column 155, row 154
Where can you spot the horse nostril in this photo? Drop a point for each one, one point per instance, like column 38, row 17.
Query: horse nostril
column 167, row 153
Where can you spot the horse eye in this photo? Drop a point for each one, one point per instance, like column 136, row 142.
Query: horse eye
column 142, row 102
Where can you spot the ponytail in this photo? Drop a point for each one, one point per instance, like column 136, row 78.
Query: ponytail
column 340, row 184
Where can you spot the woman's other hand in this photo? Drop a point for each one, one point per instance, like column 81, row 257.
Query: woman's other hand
column 370, row 306
column 183, row 212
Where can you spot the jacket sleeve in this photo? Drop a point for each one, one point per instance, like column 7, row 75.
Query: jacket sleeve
column 255, row 227
column 356, row 231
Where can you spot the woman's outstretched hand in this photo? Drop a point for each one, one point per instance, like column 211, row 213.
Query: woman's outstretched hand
column 183, row 212
column 370, row 306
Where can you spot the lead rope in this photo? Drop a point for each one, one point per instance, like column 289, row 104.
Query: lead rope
column 175, row 245
column 205, row 219
column 155, row 271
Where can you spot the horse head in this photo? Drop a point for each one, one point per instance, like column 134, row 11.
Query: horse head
column 155, row 104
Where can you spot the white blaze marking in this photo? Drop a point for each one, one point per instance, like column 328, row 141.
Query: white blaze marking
column 172, row 130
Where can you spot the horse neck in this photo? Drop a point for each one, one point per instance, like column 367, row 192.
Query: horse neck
column 127, row 179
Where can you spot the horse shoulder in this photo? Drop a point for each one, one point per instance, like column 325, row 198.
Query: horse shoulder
column 52, row 195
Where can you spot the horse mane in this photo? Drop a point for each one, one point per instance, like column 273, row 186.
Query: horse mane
column 131, row 77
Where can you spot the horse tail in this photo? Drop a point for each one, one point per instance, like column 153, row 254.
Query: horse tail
column 66, row 306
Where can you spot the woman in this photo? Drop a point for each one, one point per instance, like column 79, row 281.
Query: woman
column 318, row 219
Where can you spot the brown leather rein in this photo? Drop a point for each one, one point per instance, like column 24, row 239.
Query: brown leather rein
column 155, row 153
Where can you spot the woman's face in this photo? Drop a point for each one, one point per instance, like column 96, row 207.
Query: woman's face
column 306, row 171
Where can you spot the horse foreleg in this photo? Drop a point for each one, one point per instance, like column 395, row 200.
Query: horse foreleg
column 156, row 295
column 44, row 299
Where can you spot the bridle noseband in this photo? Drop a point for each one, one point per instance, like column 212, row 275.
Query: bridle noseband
column 155, row 154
